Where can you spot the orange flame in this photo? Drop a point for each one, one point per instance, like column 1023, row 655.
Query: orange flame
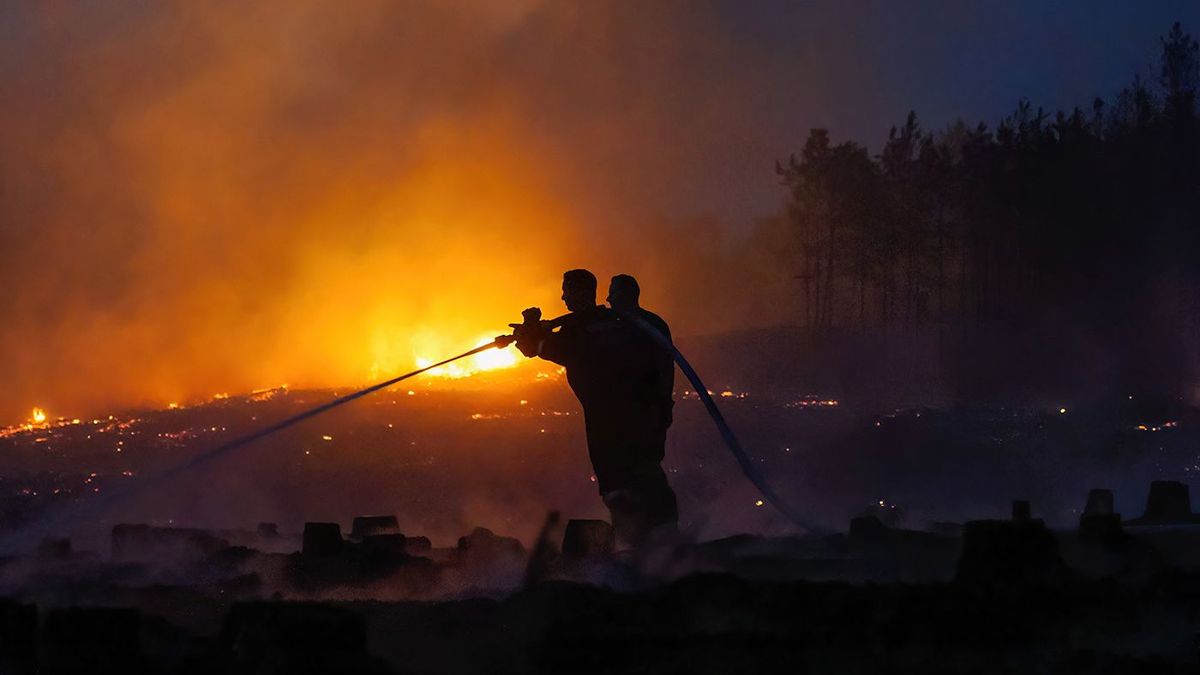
column 492, row 359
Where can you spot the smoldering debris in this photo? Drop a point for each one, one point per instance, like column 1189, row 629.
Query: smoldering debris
column 871, row 597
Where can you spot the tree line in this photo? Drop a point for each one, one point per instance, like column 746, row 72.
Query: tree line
column 1089, row 215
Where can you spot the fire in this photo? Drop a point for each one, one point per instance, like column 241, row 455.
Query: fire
column 39, row 416
column 492, row 359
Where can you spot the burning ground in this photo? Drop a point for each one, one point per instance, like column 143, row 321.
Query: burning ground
column 183, row 578
column 501, row 448
column 473, row 571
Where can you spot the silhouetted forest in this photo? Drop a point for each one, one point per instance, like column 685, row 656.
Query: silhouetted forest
column 1088, row 218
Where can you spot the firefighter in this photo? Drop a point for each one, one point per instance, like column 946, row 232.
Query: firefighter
column 624, row 295
column 612, row 369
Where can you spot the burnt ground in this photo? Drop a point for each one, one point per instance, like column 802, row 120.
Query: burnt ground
column 908, row 588
column 455, row 455
column 999, row 596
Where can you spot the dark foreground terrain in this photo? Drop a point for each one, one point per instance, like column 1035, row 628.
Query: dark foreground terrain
column 446, row 457
column 701, row 624
column 992, row 596
column 937, row 574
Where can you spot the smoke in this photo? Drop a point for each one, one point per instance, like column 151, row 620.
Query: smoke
column 213, row 197
column 205, row 197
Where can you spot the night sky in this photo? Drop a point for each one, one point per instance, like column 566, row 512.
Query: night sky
column 857, row 68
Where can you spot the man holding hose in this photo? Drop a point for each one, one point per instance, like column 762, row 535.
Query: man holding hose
column 616, row 372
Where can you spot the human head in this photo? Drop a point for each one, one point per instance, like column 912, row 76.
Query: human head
column 579, row 290
column 623, row 292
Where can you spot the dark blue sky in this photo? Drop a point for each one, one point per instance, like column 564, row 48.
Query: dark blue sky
column 858, row 67
column 969, row 59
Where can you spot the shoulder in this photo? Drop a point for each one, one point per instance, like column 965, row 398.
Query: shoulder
column 589, row 322
column 652, row 317
column 603, row 319
column 656, row 321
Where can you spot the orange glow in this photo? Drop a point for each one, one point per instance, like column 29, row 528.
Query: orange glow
column 492, row 359
column 316, row 209
column 39, row 416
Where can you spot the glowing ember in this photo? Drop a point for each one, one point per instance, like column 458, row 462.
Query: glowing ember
column 1165, row 425
column 267, row 393
column 816, row 402
column 39, row 416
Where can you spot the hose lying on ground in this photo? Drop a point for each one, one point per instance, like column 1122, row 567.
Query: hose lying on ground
column 53, row 523
column 731, row 442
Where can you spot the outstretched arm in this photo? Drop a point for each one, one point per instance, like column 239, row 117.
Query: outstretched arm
column 537, row 338
column 557, row 348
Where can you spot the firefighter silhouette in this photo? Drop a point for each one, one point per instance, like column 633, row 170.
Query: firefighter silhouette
column 617, row 373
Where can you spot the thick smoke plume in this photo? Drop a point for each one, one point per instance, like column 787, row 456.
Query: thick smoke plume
column 209, row 197
column 218, row 196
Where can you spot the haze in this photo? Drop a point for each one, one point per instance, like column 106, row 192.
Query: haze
column 208, row 197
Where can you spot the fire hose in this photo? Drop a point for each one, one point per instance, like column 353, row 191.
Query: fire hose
column 770, row 496
column 32, row 533
column 731, row 441
column 49, row 526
